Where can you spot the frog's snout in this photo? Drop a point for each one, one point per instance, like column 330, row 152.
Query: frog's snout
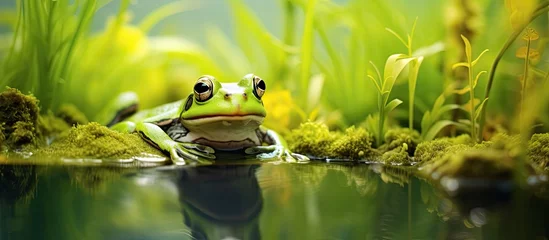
column 229, row 96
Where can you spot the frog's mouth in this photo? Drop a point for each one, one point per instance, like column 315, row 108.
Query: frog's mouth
column 226, row 119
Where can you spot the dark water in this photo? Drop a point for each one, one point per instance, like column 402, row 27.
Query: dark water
column 268, row 201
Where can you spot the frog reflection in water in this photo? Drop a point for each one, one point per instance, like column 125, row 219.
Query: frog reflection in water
column 215, row 116
column 220, row 201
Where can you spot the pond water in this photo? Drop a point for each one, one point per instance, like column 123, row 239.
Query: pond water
column 252, row 201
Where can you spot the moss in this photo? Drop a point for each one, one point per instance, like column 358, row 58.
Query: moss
column 96, row 141
column 50, row 125
column 71, row 115
column 538, row 150
column 396, row 137
column 313, row 139
column 356, row 143
column 435, row 149
column 399, row 155
column 2, row 136
column 19, row 117
column 471, row 163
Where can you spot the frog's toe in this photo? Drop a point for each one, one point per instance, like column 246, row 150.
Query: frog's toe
column 298, row 157
column 198, row 147
column 259, row 149
column 190, row 157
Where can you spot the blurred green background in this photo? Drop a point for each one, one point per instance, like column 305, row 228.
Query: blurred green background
column 314, row 55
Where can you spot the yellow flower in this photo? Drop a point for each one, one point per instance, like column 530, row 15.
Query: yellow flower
column 279, row 105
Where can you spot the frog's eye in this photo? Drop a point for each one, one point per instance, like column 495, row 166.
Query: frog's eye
column 259, row 87
column 203, row 89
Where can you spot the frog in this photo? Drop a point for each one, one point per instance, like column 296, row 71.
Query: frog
column 214, row 117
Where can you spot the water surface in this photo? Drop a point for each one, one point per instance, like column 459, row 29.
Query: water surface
column 267, row 201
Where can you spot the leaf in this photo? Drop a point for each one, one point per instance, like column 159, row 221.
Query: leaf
column 375, row 83
column 315, row 89
column 430, row 50
column 397, row 36
column 530, row 34
column 479, row 109
column 477, row 77
column 467, row 106
column 468, row 50
column 446, row 108
column 460, row 64
column 392, row 105
column 394, row 65
column 425, row 121
column 463, row 90
column 438, row 103
column 478, row 58
column 436, row 128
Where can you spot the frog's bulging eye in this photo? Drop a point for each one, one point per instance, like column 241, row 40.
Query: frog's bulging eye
column 203, row 89
column 259, row 87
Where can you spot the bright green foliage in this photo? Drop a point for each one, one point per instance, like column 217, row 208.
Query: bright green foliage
column 471, row 107
column 95, row 141
column 51, row 126
column 538, row 150
column 95, row 179
column 412, row 73
column 393, row 67
column 430, row 150
column 432, row 122
column 46, row 35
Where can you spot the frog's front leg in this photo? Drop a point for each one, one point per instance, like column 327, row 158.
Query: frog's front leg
column 180, row 153
column 277, row 147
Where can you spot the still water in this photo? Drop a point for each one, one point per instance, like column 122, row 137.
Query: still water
column 266, row 201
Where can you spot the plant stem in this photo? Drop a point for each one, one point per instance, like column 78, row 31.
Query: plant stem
column 472, row 102
column 524, row 80
column 541, row 9
column 381, row 119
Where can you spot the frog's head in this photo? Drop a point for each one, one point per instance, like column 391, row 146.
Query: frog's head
column 213, row 102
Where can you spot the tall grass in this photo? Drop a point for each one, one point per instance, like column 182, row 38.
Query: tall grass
column 43, row 46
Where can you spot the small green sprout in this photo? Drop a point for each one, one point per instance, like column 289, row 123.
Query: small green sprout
column 432, row 122
column 415, row 63
column 471, row 106
column 393, row 67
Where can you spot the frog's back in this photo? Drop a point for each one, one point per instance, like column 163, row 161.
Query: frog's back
column 156, row 111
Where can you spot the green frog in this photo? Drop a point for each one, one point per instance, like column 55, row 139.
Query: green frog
column 214, row 117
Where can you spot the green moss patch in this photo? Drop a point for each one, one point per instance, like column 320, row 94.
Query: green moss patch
column 315, row 139
column 19, row 117
column 538, row 150
column 99, row 142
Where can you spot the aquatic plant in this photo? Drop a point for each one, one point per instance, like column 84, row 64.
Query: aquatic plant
column 471, row 106
column 414, row 65
column 393, row 67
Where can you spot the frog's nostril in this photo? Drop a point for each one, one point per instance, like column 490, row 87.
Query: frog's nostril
column 245, row 96
column 227, row 96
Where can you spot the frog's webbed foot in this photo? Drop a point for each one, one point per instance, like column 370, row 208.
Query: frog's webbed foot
column 191, row 154
column 275, row 151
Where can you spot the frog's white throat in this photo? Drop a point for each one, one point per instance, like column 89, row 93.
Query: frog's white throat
column 225, row 123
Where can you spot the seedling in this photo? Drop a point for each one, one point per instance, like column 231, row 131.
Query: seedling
column 471, row 106
column 415, row 63
column 393, row 67
column 431, row 123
